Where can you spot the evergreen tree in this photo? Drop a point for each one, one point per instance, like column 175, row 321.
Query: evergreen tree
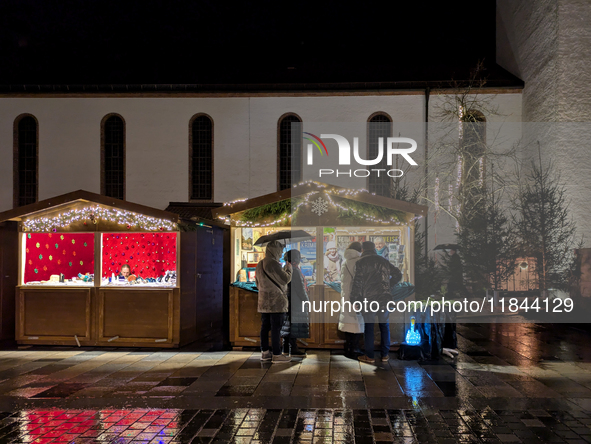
column 546, row 232
column 489, row 245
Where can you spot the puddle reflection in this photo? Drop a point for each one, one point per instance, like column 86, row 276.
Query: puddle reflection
column 80, row 426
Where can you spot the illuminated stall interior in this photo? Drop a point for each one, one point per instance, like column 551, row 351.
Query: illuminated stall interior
column 333, row 217
column 95, row 270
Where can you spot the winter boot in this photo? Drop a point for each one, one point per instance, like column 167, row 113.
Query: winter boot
column 295, row 352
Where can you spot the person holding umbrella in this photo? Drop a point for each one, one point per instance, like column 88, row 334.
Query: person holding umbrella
column 272, row 280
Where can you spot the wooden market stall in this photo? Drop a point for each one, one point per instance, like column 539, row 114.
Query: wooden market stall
column 334, row 217
column 72, row 250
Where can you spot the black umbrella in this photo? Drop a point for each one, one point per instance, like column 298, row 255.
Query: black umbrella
column 295, row 235
column 447, row 247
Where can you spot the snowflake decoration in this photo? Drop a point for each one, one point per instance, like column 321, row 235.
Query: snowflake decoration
column 319, row 206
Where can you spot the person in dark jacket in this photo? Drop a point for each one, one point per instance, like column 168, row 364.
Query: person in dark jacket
column 374, row 277
column 296, row 323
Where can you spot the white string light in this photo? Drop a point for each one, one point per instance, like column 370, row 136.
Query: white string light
column 95, row 214
column 450, row 195
column 461, row 121
column 305, row 201
column 436, row 197
column 481, row 169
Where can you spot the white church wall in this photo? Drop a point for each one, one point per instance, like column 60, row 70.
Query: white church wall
column 157, row 141
column 245, row 140
column 547, row 43
column 344, row 115
column 157, row 135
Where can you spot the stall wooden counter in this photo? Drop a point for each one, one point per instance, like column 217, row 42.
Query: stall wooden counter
column 333, row 217
column 72, row 249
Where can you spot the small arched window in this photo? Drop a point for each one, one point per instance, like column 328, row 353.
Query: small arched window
column 26, row 160
column 113, row 156
column 201, row 158
column 379, row 125
column 289, row 159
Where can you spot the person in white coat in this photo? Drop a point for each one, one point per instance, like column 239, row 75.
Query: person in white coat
column 350, row 322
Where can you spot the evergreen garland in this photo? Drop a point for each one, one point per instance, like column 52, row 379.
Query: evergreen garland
column 356, row 212
column 274, row 210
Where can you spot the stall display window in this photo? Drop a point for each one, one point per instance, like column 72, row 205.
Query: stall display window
column 389, row 247
column 139, row 259
column 308, row 265
column 59, row 259
column 333, row 258
column 389, row 244
column 248, row 255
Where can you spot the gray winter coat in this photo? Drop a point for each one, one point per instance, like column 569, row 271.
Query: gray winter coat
column 272, row 281
column 349, row 321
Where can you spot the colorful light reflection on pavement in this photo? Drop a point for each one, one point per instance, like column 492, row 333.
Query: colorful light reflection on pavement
column 81, row 426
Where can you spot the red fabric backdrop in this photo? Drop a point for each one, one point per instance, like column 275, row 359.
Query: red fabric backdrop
column 147, row 254
column 55, row 253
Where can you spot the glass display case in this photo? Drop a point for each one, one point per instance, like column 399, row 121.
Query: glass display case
column 390, row 244
column 58, row 259
column 139, row 259
column 247, row 255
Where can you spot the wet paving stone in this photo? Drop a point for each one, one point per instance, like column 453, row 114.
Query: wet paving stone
column 177, row 382
column 510, row 383
column 61, row 390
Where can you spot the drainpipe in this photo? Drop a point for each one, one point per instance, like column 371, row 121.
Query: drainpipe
column 427, row 93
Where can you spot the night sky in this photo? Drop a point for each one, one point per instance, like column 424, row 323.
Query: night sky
column 128, row 41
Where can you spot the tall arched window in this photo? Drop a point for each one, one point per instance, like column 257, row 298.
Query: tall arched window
column 26, row 160
column 289, row 159
column 379, row 125
column 201, row 157
column 113, row 156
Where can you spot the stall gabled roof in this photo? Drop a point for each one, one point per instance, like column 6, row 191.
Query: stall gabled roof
column 312, row 187
column 20, row 213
